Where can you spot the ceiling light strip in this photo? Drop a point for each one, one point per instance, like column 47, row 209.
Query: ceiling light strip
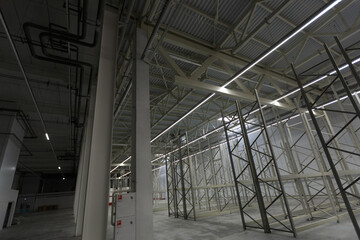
column 186, row 114
column 315, row 81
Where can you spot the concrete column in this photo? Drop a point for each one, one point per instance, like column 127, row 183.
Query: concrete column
column 141, row 151
column 11, row 136
column 85, row 165
column 96, row 205
column 78, row 179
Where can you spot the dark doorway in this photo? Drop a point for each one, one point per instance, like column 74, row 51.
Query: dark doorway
column 7, row 216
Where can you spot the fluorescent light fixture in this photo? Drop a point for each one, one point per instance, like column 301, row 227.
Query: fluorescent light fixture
column 227, row 119
column 343, row 67
column 286, row 95
column 283, row 42
column 276, row 103
column 329, row 103
column 256, row 110
column 124, row 175
column 120, row 164
column 180, row 119
column 59, row 167
column 336, row 100
column 47, row 136
column 356, row 61
column 315, row 81
column 158, row 168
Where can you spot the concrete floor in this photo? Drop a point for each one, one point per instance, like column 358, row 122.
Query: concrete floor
column 59, row 225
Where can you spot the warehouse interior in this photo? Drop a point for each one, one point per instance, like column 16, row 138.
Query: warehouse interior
column 179, row 119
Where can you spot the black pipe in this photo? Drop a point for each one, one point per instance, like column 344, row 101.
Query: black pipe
column 60, row 60
column 65, row 35
column 84, row 24
column 69, row 37
column 79, row 90
column 55, row 58
column 60, row 34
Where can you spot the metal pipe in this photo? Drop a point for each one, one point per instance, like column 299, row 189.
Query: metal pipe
column 69, row 80
column 57, row 59
column 27, row 84
column 84, row 24
column 74, row 38
column 59, row 34
column 65, row 60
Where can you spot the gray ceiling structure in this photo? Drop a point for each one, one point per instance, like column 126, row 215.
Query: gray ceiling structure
column 198, row 46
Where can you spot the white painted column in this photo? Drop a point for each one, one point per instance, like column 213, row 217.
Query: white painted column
column 141, row 151
column 10, row 145
column 78, row 179
column 96, row 205
column 85, row 165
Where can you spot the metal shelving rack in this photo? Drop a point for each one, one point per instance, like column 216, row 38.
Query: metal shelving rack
column 258, row 173
column 179, row 182
column 345, row 187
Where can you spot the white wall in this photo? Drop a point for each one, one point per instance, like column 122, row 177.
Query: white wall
column 32, row 202
column 9, row 154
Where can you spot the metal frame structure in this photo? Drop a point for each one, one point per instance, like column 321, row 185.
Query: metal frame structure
column 179, row 182
column 213, row 190
column 328, row 142
column 317, row 197
column 305, row 167
column 314, row 189
column 170, row 187
column 159, row 193
column 199, row 61
column 257, row 164
column 231, row 50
